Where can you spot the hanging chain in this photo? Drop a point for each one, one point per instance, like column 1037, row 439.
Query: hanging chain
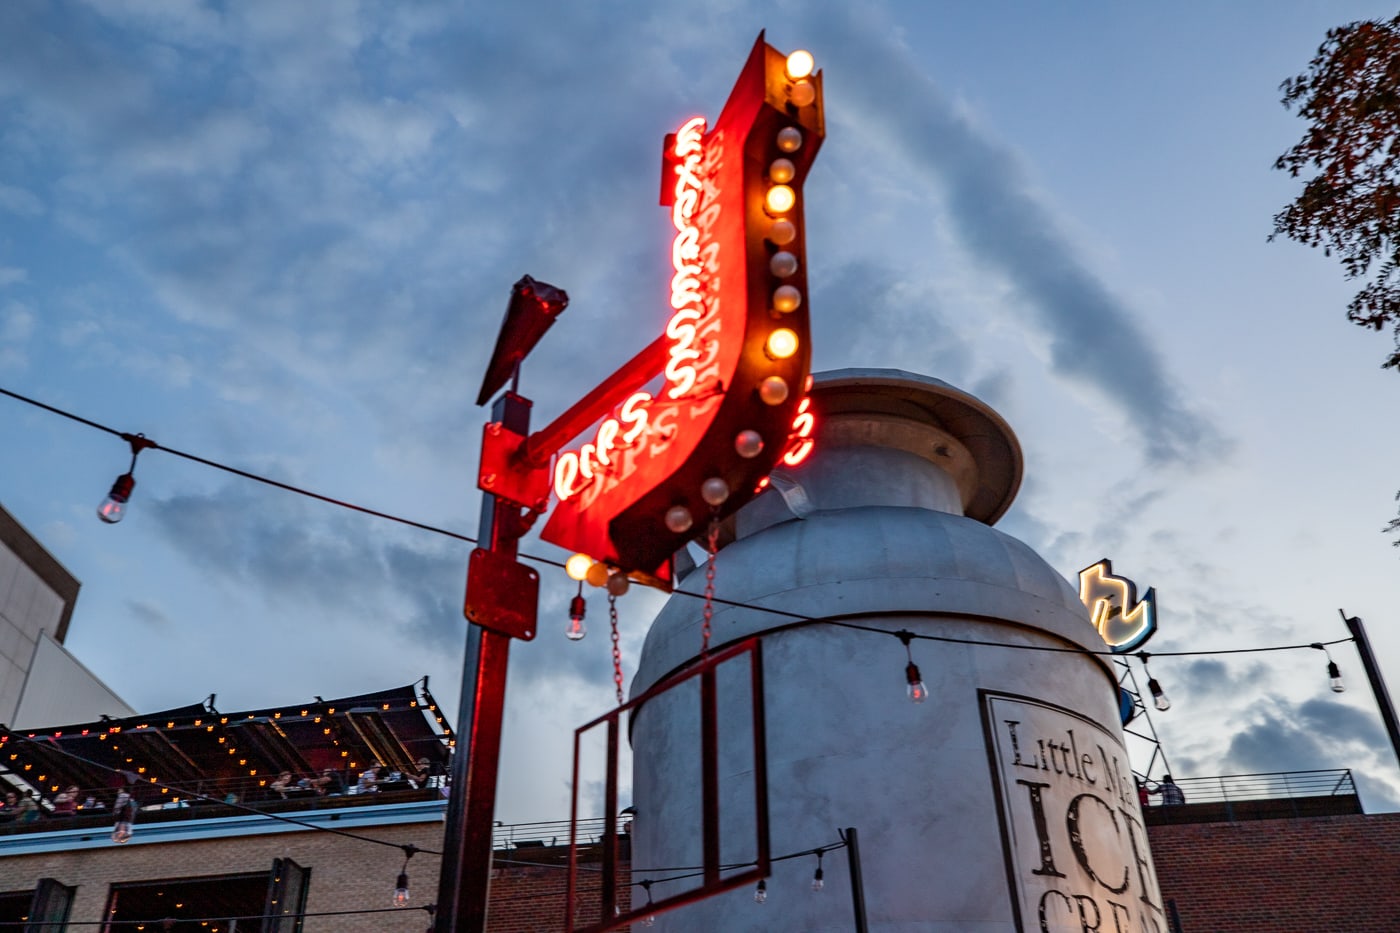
column 617, row 651
column 711, row 547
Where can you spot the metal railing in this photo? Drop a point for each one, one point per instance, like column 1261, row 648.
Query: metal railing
column 1276, row 785
column 530, row 835
column 1270, row 796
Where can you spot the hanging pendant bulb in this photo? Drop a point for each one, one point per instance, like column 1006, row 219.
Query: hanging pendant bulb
column 1159, row 696
column 578, row 606
column 1334, row 673
column 916, row 689
column 817, row 882
column 760, row 893
column 113, row 508
column 400, row 898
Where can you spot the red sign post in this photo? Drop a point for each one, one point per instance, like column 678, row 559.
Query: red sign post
column 682, row 435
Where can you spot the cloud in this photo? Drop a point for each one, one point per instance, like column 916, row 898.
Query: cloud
column 339, row 563
column 1315, row 734
column 1205, row 679
column 20, row 202
column 150, row 615
column 16, row 322
column 1093, row 336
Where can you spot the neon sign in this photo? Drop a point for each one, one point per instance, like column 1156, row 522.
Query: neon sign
column 686, row 298
column 1120, row 617
column 718, row 399
column 576, row 469
column 800, row 441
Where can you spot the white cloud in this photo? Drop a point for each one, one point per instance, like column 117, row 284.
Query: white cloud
column 9, row 275
column 16, row 323
column 19, row 201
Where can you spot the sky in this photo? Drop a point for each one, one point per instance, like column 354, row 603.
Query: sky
column 281, row 237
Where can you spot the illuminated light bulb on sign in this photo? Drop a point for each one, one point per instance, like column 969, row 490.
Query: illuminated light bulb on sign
column 782, row 232
column 597, row 575
column 786, row 299
column 773, row 390
column 789, row 139
column 781, row 171
column 779, row 199
column 803, row 93
column 577, row 566
column 714, row 491
column 800, row 64
column 783, row 264
column 782, row 343
column 748, row 444
column 678, row 519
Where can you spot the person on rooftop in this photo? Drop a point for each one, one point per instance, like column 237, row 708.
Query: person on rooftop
column 1172, row 795
column 28, row 808
column 279, row 786
column 66, row 802
column 369, row 778
column 329, row 784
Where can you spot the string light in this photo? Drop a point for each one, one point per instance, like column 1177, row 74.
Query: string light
column 817, row 882
column 1334, row 673
column 400, row 898
column 1159, row 696
column 113, row 508
column 748, row 443
column 915, row 689
column 578, row 606
column 760, row 893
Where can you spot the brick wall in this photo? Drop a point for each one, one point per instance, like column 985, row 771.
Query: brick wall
column 1329, row 873
column 530, row 899
column 345, row 874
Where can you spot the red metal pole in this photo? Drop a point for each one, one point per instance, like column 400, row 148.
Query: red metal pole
column 464, row 886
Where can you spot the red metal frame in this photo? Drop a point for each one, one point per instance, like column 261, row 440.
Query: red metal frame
column 713, row 882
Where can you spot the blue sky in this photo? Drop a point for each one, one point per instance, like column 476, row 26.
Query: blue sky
column 281, row 236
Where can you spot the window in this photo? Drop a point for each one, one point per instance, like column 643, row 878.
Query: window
column 250, row 902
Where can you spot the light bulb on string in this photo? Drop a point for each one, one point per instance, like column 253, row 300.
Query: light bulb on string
column 1159, row 696
column 649, row 919
column 578, row 607
column 1334, row 673
column 760, row 893
column 400, row 898
column 817, row 882
column 113, row 508
column 915, row 688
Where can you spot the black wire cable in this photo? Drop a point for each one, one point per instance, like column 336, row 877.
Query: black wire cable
column 53, row 746
column 237, row 472
column 696, row 871
column 550, row 562
column 27, row 924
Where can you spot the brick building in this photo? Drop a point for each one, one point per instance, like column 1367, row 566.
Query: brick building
column 1284, row 853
